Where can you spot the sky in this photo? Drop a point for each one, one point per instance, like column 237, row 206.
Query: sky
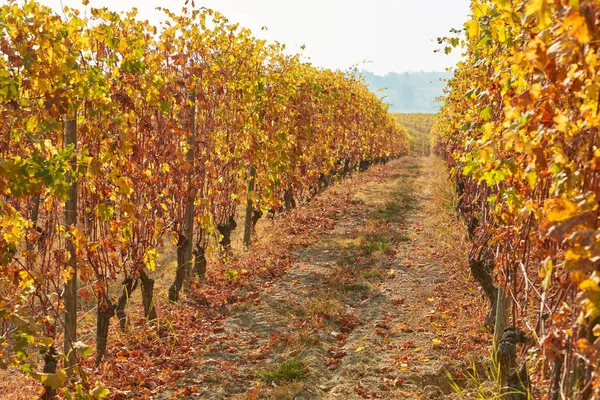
column 380, row 36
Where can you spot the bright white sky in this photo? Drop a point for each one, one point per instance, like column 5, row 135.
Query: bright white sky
column 390, row 35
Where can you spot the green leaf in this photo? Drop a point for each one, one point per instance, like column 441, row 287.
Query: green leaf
column 55, row 381
column 46, row 342
column 82, row 349
column 100, row 391
column 486, row 114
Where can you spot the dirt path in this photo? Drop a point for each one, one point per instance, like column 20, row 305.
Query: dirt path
column 364, row 313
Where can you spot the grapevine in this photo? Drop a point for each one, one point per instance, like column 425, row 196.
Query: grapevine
column 519, row 128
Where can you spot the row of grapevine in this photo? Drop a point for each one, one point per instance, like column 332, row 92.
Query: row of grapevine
column 419, row 130
column 519, row 128
column 115, row 134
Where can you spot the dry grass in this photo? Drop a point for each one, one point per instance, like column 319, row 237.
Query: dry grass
column 378, row 193
column 441, row 199
column 266, row 391
column 322, row 307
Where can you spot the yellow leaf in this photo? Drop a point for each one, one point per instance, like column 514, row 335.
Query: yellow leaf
column 561, row 122
column 26, row 279
column 541, row 9
column 473, row 30
column 79, row 239
column 589, row 285
column 479, row 9
column 546, row 273
column 498, row 30
column 125, row 185
column 577, row 27
column 560, row 209
column 577, row 253
column 150, row 257
column 67, row 274
column 55, row 380
column 532, row 179
column 488, row 131
column 559, row 156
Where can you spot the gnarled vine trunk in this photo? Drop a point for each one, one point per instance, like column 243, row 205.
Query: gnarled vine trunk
column 363, row 165
column 346, row 168
column 225, row 231
column 288, row 200
column 200, row 262
column 175, row 288
column 106, row 310
column 50, row 361
column 129, row 286
column 481, row 269
column 256, row 215
column 148, row 296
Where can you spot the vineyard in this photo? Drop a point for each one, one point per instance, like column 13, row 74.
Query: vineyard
column 419, row 130
column 118, row 139
column 188, row 211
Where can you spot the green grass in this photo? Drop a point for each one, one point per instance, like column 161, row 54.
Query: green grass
column 372, row 274
column 403, row 237
column 407, row 201
column 355, row 287
column 346, row 260
column 325, row 307
column 288, row 370
column 375, row 243
column 393, row 210
column 389, row 213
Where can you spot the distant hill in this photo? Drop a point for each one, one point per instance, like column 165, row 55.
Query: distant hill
column 410, row 92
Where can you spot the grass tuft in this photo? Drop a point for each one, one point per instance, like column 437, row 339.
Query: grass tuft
column 372, row 274
column 375, row 243
column 403, row 237
column 288, row 370
column 356, row 287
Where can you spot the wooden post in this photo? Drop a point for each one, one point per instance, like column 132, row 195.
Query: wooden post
column 189, row 208
column 500, row 322
column 249, row 209
column 184, row 244
column 70, row 293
